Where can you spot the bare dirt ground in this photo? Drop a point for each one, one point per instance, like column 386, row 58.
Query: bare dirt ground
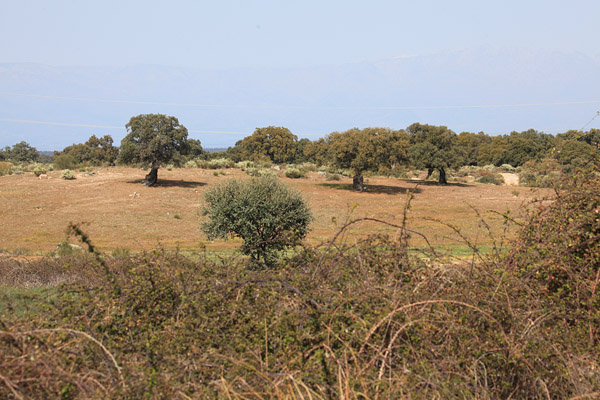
column 120, row 212
column 510, row 179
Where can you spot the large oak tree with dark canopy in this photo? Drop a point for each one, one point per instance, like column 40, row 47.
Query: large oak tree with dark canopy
column 434, row 147
column 275, row 143
column 96, row 151
column 366, row 149
column 153, row 139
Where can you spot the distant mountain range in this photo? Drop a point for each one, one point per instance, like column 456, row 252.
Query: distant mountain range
column 495, row 90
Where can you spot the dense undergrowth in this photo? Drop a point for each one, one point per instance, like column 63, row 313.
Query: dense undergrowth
column 373, row 319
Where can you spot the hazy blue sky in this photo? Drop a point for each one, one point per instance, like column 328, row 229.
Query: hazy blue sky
column 228, row 33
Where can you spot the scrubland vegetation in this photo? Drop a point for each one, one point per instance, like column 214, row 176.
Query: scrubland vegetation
column 383, row 314
column 375, row 318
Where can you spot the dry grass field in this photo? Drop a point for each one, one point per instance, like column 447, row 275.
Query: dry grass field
column 120, row 212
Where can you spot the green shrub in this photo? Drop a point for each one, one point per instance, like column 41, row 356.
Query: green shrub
column 39, row 170
column 5, row 167
column 64, row 161
column 507, row 168
column 308, row 167
column 191, row 164
column 265, row 213
column 332, row 177
column 16, row 169
column 67, row 174
column 545, row 173
column 243, row 165
column 258, row 172
column 65, row 248
column 490, row 178
column 294, row 173
column 217, row 163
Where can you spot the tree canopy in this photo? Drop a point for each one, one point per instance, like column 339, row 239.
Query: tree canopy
column 20, row 152
column 434, row 147
column 366, row 149
column 96, row 151
column 153, row 139
column 471, row 143
column 275, row 143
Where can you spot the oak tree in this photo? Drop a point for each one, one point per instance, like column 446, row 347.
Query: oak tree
column 153, row 139
column 434, row 147
column 366, row 149
column 274, row 143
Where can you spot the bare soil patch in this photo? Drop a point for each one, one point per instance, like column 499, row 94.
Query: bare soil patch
column 510, row 179
column 122, row 213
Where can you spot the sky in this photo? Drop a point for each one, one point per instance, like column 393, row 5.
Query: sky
column 230, row 34
column 259, row 33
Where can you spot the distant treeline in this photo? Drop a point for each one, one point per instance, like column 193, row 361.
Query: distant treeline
column 379, row 150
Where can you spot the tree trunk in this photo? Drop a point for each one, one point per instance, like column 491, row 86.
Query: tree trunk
column 152, row 177
column 442, row 180
column 429, row 172
column 358, row 183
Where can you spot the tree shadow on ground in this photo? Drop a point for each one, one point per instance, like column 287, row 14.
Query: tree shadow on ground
column 378, row 189
column 422, row 182
column 172, row 183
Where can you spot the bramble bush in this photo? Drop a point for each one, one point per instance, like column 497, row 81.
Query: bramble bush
column 545, row 173
column 560, row 248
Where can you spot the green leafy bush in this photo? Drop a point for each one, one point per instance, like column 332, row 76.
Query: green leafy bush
column 258, row 172
column 294, row 173
column 490, row 178
column 243, row 165
column 332, row 177
column 67, row 174
column 217, row 163
column 507, row 168
column 64, row 161
column 265, row 213
column 191, row 164
column 17, row 169
column 5, row 167
column 39, row 170
column 308, row 167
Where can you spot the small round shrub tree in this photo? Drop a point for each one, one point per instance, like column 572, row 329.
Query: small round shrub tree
column 39, row 170
column 264, row 212
column 294, row 173
column 67, row 174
